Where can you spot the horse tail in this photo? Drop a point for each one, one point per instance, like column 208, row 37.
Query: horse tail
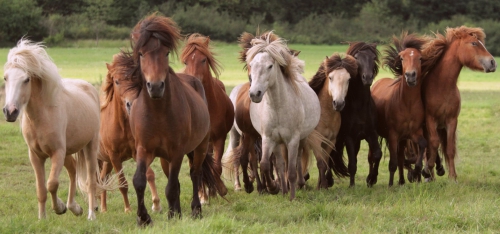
column 228, row 163
column 111, row 182
column 338, row 164
column 315, row 141
column 210, row 179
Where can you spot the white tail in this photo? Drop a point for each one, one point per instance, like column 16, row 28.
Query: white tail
column 109, row 183
column 315, row 141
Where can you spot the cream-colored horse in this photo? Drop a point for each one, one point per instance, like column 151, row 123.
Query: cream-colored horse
column 284, row 109
column 59, row 118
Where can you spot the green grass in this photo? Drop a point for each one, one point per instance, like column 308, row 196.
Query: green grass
column 471, row 205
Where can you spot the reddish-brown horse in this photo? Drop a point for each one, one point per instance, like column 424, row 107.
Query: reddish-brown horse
column 116, row 143
column 400, row 111
column 459, row 47
column 169, row 118
column 198, row 58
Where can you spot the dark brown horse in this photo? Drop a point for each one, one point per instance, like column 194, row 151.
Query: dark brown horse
column 359, row 114
column 200, row 63
column 400, row 111
column 116, row 143
column 169, row 118
column 459, row 47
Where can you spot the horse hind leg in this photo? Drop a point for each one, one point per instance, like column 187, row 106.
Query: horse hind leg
column 70, row 164
column 41, row 190
column 117, row 165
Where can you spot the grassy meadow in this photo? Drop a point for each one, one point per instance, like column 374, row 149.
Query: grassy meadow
column 472, row 205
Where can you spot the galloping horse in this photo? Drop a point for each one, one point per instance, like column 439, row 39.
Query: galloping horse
column 60, row 118
column 331, row 83
column 284, row 109
column 169, row 118
column 199, row 62
column 461, row 46
column 400, row 111
column 116, row 143
column 359, row 113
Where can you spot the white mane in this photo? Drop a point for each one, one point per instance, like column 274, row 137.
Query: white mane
column 32, row 58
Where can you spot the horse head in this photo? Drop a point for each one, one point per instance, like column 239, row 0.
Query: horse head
column 17, row 92
column 339, row 69
column 198, row 58
column 471, row 49
column 154, row 38
column 367, row 56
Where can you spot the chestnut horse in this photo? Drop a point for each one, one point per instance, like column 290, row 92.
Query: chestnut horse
column 169, row 118
column 60, row 118
column 359, row 114
column 400, row 111
column 116, row 143
column 459, row 47
column 331, row 83
column 198, row 58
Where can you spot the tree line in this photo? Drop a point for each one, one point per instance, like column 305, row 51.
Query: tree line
column 309, row 22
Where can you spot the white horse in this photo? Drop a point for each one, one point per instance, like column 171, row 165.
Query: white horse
column 284, row 109
column 60, row 118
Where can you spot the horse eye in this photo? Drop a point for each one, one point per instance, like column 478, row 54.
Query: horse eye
column 185, row 63
column 250, row 78
column 140, row 54
column 204, row 60
column 116, row 82
column 5, row 78
column 27, row 80
column 270, row 66
column 474, row 43
column 168, row 53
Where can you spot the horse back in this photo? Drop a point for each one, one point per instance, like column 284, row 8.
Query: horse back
column 382, row 92
column 242, row 111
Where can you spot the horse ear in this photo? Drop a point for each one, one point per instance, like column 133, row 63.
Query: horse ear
column 296, row 53
column 108, row 66
column 207, row 40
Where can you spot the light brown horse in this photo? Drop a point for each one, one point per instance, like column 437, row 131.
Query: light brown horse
column 459, row 47
column 169, row 118
column 331, row 83
column 200, row 62
column 116, row 143
column 400, row 111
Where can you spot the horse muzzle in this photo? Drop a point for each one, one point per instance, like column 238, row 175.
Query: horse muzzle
column 367, row 79
column 338, row 105
column 256, row 96
column 156, row 89
column 411, row 78
column 10, row 114
column 490, row 66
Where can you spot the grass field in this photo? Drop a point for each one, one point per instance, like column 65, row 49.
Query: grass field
column 472, row 205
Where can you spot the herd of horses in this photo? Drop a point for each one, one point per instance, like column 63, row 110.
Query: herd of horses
column 274, row 121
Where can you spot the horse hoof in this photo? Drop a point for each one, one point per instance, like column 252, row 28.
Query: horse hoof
column 371, row 180
column 144, row 222
column 440, row 171
column 307, row 176
column 425, row 174
column 237, row 187
column 156, row 208
column 274, row 190
column 76, row 210
column 249, row 188
column 196, row 213
column 63, row 211
column 330, row 181
column 410, row 177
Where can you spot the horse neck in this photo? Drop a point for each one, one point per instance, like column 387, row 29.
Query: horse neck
column 38, row 102
column 445, row 74
column 410, row 95
column 117, row 114
column 209, row 85
column 278, row 94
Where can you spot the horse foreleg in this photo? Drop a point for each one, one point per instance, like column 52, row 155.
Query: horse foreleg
column 243, row 151
column 432, row 148
column 352, row 147
column 218, row 146
column 281, row 162
column 393, row 152
column 401, row 161
column 293, row 150
column 302, row 163
column 422, row 144
column 196, row 174
column 374, row 160
column 451, row 148
column 322, row 167
column 57, row 163
column 150, row 176
column 254, row 161
column 41, row 191
column 105, row 170
column 143, row 161
column 70, row 164
column 265, row 164
column 117, row 165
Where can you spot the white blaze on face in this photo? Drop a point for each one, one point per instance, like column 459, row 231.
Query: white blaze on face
column 411, row 53
column 193, row 56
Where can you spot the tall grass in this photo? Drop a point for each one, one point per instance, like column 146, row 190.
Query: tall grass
column 471, row 205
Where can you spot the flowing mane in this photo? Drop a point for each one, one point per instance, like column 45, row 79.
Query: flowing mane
column 123, row 67
column 289, row 64
column 32, row 58
column 334, row 62
column 392, row 60
column 355, row 47
column 199, row 42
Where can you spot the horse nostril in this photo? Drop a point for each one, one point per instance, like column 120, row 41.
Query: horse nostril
column 258, row 93
column 334, row 103
column 4, row 111
column 162, row 85
column 148, row 84
column 493, row 62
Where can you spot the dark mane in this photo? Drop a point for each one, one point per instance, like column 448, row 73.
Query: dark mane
column 153, row 26
column 201, row 43
column 355, row 47
column 392, row 59
column 122, row 67
column 334, row 62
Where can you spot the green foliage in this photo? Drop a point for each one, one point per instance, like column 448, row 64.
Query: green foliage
column 19, row 18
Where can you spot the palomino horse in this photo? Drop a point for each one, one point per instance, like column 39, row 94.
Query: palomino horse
column 60, row 118
column 331, row 83
column 169, row 118
column 284, row 109
column 200, row 63
column 461, row 46
column 116, row 143
column 359, row 113
column 400, row 111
